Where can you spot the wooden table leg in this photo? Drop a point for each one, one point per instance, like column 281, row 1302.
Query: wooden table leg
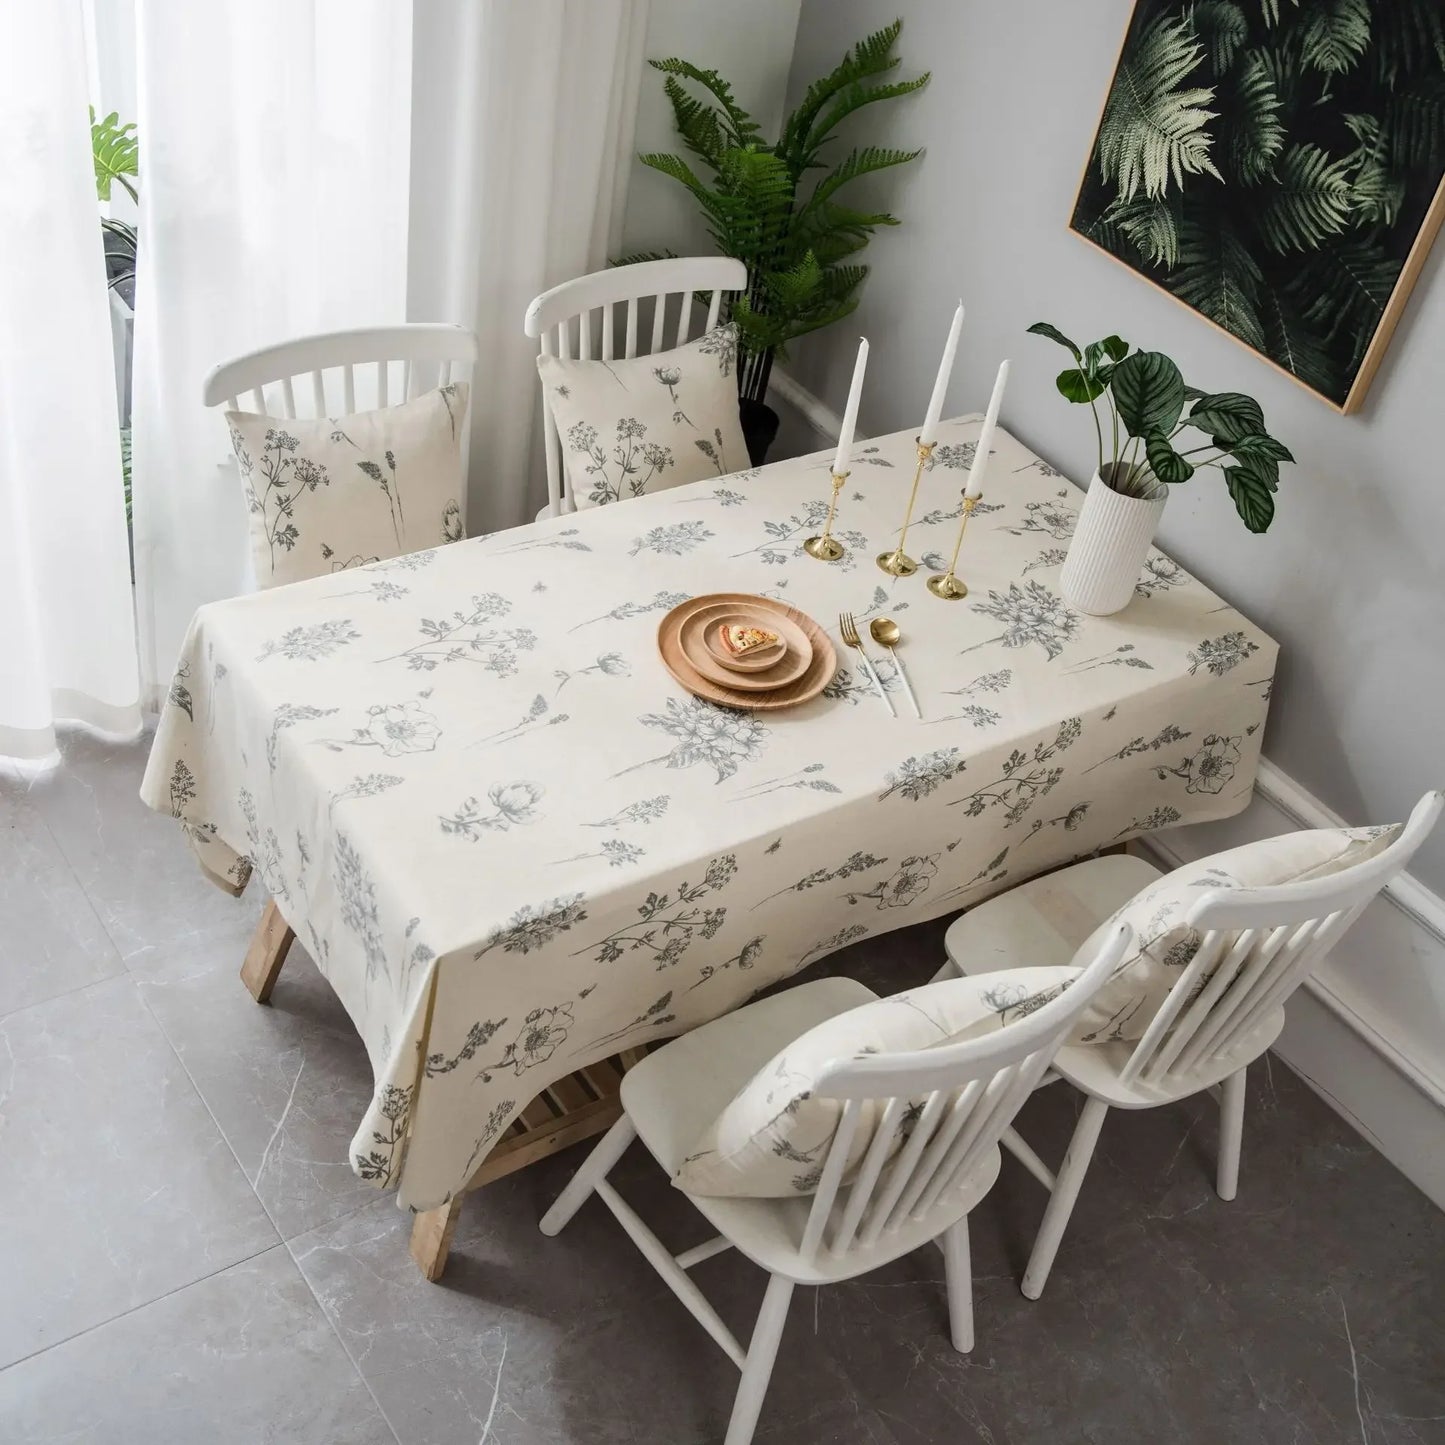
column 267, row 952
column 579, row 1107
column 431, row 1237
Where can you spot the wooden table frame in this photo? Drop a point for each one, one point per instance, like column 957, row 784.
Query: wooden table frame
column 578, row 1107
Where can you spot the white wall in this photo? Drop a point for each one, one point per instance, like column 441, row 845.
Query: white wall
column 1349, row 579
column 750, row 44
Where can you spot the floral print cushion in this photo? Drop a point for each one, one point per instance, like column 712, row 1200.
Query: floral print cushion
column 772, row 1140
column 629, row 428
column 330, row 493
column 1165, row 944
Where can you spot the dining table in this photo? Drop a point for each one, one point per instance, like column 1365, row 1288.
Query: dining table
column 517, row 848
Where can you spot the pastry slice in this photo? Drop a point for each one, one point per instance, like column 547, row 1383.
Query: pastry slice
column 742, row 640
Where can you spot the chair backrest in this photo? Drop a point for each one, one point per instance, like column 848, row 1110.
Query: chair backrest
column 562, row 319
column 1257, row 945
column 391, row 363
column 939, row 1112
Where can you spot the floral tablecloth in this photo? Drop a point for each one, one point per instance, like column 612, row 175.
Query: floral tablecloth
column 514, row 845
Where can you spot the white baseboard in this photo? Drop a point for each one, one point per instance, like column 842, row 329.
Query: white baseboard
column 1367, row 1032
column 821, row 417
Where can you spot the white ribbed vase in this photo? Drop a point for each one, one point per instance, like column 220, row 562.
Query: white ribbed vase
column 1111, row 540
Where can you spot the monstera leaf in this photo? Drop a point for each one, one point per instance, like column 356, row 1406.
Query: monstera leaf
column 116, row 152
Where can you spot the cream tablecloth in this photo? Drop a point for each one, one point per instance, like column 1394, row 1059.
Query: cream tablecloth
column 514, row 845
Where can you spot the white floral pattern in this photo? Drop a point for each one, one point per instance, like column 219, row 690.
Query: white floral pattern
column 465, row 790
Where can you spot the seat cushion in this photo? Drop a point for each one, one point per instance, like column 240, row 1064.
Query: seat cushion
column 630, row 428
column 771, row 1138
column 678, row 1090
column 330, row 493
column 1042, row 923
column 1165, row 943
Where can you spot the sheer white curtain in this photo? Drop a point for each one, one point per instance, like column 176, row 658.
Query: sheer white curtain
column 275, row 156
column 523, row 121
column 67, row 642
column 313, row 164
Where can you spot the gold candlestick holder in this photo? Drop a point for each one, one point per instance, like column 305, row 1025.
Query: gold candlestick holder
column 898, row 563
column 945, row 584
column 827, row 548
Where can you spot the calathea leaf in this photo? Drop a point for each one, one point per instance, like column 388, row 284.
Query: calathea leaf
column 1042, row 328
column 1165, row 462
column 1252, row 496
column 1094, row 353
column 1149, row 393
column 1227, row 415
column 1257, row 444
column 1078, row 385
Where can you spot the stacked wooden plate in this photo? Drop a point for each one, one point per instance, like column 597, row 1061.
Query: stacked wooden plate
column 698, row 647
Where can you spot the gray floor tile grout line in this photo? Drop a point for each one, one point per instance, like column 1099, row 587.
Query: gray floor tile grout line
column 14, row 1013
column 278, row 1243
column 332, row 1325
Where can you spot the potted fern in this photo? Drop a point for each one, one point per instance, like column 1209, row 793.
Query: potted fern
column 1141, row 455
column 796, row 239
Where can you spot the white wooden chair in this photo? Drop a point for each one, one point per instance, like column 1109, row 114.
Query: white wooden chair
column 381, row 364
column 1227, row 1007
column 339, row 366
column 562, row 319
column 942, row 1109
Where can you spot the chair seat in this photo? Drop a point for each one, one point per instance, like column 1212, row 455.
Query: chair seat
column 1043, row 923
column 676, row 1092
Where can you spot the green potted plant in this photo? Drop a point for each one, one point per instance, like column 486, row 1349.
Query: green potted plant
column 797, row 240
column 1142, row 452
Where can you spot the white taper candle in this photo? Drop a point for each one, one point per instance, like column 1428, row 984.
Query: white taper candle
column 985, row 437
column 850, row 412
column 940, row 382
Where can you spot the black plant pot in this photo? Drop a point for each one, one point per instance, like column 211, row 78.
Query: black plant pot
column 760, row 428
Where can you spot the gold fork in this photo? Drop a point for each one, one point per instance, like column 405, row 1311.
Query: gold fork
column 848, row 630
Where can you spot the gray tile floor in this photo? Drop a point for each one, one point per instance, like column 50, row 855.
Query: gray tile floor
column 186, row 1257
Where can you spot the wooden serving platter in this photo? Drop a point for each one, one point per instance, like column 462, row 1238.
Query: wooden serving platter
column 818, row 675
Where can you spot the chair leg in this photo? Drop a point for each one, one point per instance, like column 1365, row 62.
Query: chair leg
column 597, row 1166
column 958, row 1271
column 1231, row 1134
column 1065, row 1192
column 758, row 1369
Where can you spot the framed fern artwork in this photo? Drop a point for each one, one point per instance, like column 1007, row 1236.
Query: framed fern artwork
column 1278, row 166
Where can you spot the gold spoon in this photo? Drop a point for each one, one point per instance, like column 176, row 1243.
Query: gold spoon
column 886, row 633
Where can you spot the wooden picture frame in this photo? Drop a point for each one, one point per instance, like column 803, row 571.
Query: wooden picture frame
column 1342, row 360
